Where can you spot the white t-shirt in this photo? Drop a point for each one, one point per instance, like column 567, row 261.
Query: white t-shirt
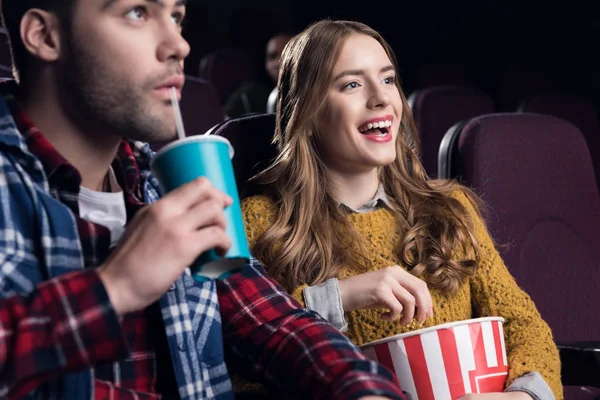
column 105, row 208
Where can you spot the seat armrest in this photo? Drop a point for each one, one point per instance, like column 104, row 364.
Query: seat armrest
column 580, row 363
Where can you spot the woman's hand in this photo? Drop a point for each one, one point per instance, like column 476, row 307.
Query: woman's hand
column 391, row 288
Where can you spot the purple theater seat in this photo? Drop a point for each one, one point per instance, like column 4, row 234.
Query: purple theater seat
column 227, row 69
column 581, row 112
column 535, row 173
column 251, row 137
column 200, row 108
column 436, row 109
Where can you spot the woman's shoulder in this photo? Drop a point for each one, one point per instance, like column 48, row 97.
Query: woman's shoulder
column 468, row 200
column 259, row 213
column 476, row 211
column 462, row 194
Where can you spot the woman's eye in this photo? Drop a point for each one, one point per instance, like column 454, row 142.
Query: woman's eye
column 178, row 18
column 351, row 85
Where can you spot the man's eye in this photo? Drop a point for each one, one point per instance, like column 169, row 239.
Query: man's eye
column 137, row 14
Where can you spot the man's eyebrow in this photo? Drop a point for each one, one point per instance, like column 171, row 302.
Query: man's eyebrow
column 179, row 3
column 109, row 3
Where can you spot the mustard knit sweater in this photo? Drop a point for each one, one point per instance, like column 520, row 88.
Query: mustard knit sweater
column 491, row 292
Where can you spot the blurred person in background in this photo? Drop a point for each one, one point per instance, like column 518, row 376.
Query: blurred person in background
column 252, row 97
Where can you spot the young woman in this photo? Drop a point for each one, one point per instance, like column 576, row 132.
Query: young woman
column 351, row 225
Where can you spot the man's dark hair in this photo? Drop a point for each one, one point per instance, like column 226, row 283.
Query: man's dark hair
column 12, row 14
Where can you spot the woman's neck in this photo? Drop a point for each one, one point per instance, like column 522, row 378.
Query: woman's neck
column 354, row 190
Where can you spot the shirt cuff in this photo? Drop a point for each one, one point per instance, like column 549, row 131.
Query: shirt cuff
column 534, row 385
column 368, row 379
column 325, row 299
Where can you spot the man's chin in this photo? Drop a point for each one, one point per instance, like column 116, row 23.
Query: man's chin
column 163, row 138
column 153, row 129
column 154, row 136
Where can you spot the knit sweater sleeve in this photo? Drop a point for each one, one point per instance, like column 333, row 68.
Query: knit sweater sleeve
column 529, row 342
column 259, row 214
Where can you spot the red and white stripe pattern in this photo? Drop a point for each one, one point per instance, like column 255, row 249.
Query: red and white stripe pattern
column 449, row 362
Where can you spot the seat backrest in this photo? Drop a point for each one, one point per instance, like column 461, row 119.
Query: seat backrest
column 272, row 101
column 200, row 108
column 5, row 72
column 535, row 173
column 577, row 110
column 227, row 69
column 436, row 109
column 251, row 137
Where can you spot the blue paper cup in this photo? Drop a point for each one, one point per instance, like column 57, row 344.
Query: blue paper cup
column 210, row 156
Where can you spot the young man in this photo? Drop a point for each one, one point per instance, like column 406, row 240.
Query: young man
column 253, row 97
column 96, row 300
column 275, row 47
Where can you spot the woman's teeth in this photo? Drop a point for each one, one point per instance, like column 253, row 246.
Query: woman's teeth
column 374, row 125
column 381, row 124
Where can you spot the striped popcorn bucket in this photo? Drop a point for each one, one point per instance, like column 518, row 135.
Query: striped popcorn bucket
column 446, row 361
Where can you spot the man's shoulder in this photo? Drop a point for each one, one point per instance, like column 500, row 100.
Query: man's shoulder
column 19, row 228
column 12, row 175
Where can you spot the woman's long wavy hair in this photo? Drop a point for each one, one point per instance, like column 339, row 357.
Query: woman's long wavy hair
column 311, row 239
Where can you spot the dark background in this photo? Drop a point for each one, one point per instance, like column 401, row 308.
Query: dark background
column 480, row 43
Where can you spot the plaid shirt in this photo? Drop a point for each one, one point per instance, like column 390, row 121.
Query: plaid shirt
column 134, row 376
column 56, row 321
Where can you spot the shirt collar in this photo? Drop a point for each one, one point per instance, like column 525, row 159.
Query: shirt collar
column 58, row 169
column 378, row 201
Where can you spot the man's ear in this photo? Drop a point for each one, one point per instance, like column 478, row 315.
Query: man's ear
column 40, row 34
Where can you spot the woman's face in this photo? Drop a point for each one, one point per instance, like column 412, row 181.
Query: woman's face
column 358, row 131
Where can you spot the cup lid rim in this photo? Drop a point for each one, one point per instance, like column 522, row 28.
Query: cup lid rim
column 430, row 329
column 196, row 138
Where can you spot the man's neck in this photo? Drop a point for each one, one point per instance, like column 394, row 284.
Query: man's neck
column 354, row 190
column 90, row 153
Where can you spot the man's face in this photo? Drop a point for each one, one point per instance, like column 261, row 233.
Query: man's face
column 120, row 59
column 273, row 54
